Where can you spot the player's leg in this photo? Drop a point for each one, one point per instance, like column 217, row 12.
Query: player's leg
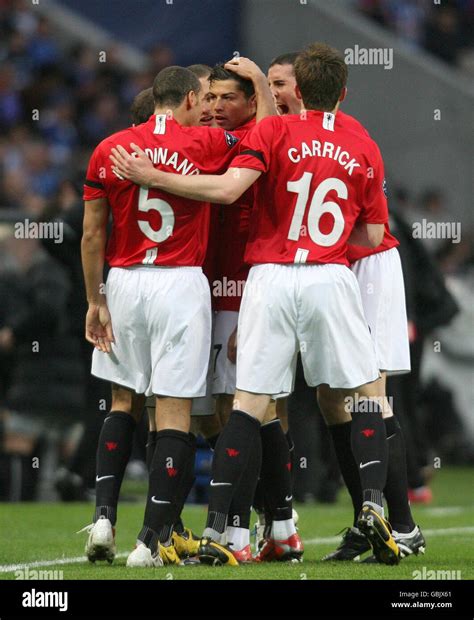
column 237, row 453
column 337, row 350
column 224, row 375
column 281, row 541
column 370, row 450
column 338, row 420
column 178, row 319
column 183, row 539
column 406, row 533
column 262, row 327
column 380, row 280
column 151, row 439
column 264, row 522
column 237, row 533
column 169, row 473
column 282, row 413
column 208, row 426
column 205, row 422
column 126, row 367
column 113, row 453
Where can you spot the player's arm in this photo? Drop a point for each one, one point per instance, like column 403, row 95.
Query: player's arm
column 369, row 230
column 367, row 235
column 98, row 322
column 221, row 189
column 247, row 69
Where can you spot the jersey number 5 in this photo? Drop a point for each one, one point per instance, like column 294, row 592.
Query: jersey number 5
column 316, row 209
column 146, row 204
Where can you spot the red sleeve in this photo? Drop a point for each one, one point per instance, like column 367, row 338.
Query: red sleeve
column 374, row 200
column 218, row 149
column 254, row 152
column 94, row 187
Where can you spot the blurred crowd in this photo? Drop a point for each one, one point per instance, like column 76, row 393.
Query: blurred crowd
column 446, row 29
column 57, row 101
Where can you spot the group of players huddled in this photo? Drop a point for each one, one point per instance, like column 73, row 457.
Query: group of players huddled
column 249, row 226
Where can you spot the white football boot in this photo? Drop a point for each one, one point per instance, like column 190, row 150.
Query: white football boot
column 101, row 542
column 142, row 557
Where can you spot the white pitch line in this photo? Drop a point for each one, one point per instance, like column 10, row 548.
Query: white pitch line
column 443, row 511
column 9, row 568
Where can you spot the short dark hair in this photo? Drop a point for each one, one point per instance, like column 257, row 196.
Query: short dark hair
column 142, row 106
column 219, row 74
column 172, row 84
column 285, row 59
column 321, row 74
column 201, row 71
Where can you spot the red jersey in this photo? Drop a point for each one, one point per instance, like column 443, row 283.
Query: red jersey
column 355, row 252
column 150, row 226
column 318, row 180
column 232, row 234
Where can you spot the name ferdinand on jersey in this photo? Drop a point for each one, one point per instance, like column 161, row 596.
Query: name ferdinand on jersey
column 160, row 155
column 325, row 149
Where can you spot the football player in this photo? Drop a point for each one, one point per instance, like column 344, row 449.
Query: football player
column 315, row 182
column 380, row 278
column 151, row 323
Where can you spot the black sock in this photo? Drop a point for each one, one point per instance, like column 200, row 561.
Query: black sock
column 259, row 503
column 291, row 446
column 341, row 437
column 212, row 441
column 259, row 498
column 241, row 504
column 113, row 453
column 369, row 446
column 168, row 469
column 276, row 471
column 240, row 435
column 396, row 488
column 150, row 448
column 186, row 485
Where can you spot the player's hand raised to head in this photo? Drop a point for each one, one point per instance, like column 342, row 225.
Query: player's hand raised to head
column 135, row 167
column 244, row 67
column 99, row 328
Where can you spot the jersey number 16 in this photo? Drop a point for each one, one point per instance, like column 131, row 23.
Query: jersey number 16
column 316, row 209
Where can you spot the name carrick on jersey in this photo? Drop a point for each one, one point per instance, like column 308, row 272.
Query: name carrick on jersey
column 356, row 252
column 152, row 227
column 319, row 179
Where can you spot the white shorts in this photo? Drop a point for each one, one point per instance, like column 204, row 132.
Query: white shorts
column 315, row 309
column 161, row 318
column 223, row 380
column 382, row 290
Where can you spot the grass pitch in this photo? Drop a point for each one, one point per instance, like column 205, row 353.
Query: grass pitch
column 42, row 537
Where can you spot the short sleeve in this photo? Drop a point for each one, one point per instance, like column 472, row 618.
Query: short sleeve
column 374, row 200
column 94, row 187
column 254, row 151
column 218, row 149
